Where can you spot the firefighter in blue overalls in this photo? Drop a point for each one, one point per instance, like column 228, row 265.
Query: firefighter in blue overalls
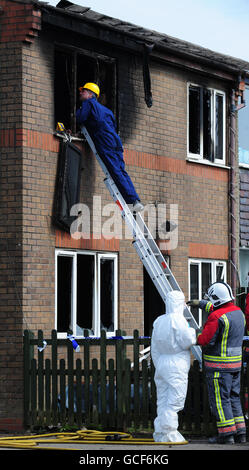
column 222, row 338
column 100, row 123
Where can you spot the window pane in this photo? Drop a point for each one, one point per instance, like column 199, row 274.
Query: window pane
column 64, row 293
column 243, row 118
column 220, row 273
column 85, row 293
column 194, row 120
column 206, row 277
column 63, row 87
column 194, row 288
column 219, row 127
column 107, row 294
column 207, row 123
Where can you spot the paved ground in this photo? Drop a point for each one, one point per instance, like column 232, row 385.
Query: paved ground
column 198, row 453
column 194, row 444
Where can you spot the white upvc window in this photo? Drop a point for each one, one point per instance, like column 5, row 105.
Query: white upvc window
column 86, row 296
column 202, row 273
column 206, row 124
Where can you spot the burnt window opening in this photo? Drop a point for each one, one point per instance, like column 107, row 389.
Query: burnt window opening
column 206, row 124
column 86, row 293
column 73, row 69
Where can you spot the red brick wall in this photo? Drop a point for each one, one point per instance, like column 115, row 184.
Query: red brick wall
column 19, row 22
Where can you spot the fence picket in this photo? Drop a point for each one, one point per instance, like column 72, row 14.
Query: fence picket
column 119, row 382
column 145, row 397
column 95, row 388
column 112, row 400
column 70, row 387
column 54, row 380
column 136, row 379
column 78, row 393
column 40, row 380
column 86, row 375
column 48, row 391
column 103, row 378
column 127, row 393
column 62, row 377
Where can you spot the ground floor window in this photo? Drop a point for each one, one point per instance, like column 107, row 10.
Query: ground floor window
column 202, row 273
column 86, row 292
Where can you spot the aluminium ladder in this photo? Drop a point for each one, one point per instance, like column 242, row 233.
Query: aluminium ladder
column 145, row 245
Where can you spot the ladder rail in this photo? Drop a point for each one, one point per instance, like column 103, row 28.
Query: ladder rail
column 145, row 245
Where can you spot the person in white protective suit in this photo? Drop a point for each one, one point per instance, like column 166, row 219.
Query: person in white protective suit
column 170, row 350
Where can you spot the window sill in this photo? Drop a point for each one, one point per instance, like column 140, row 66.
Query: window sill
column 244, row 165
column 70, row 137
column 204, row 162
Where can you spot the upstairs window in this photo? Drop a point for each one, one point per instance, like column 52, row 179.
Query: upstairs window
column 206, row 124
column 243, row 125
column 72, row 69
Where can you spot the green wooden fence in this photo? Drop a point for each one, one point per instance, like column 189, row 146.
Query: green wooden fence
column 105, row 385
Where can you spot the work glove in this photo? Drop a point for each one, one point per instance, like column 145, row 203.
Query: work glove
column 205, row 305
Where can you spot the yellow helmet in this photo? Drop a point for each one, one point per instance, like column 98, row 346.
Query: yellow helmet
column 92, row 87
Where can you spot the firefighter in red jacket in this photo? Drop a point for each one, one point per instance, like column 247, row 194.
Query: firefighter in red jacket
column 222, row 338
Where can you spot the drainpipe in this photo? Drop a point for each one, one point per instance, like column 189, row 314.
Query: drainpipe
column 235, row 106
column 232, row 197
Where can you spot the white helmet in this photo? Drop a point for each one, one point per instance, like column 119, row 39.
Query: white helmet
column 219, row 293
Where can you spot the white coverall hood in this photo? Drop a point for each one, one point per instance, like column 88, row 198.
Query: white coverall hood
column 170, row 350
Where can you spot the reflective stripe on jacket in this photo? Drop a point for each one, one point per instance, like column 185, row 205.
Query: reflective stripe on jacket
column 222, row 337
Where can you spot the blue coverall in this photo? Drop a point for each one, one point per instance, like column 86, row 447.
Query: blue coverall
column 100, row 123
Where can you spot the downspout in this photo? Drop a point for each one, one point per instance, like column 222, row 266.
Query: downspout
column 233, row 213
column 232, row 197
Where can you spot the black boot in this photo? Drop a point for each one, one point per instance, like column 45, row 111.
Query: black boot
column 240, row 438
column 221, row 440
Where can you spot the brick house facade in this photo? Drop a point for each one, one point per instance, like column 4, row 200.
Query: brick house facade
column 36, row 40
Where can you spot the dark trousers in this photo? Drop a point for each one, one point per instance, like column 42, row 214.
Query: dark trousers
column 115, row 164
column 224, row 400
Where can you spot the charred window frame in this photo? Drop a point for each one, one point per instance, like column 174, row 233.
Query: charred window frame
column 206, row 124
column 86, row 292
column 73, row 68
column 202, row 273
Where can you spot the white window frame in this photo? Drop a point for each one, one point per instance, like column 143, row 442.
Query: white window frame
column 97, row 287
column 242, row 165
column 214, row 265
column 199, row 157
